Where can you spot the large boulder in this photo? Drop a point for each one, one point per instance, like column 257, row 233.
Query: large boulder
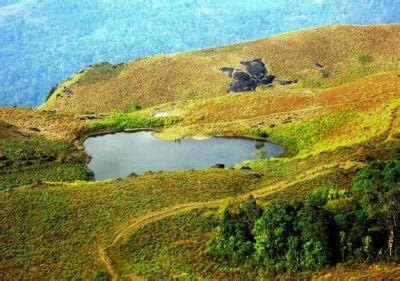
column 242, row 82
column 256, row 68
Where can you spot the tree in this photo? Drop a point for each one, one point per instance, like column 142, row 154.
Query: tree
column 274, row 234
column 233, row 239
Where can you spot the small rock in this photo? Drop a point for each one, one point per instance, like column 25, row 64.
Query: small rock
column 132, row 175
column 287, row 120
column 317, row 64
column 267, row 79
column 229, row 70
column 287, row 82
column 256, row 176
column 218, row 166
column 245, row 168
column 38, row 182
column 52, row 90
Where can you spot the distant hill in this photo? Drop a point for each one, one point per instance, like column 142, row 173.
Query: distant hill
column 43, row 42
column 316, row 58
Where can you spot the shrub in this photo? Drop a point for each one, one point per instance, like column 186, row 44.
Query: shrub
column 326, row 228
column 365, row 58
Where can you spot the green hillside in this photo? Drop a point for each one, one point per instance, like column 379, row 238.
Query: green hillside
column 346, row 52
column 339, row 124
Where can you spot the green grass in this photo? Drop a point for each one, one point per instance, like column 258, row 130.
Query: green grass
column 347, row 53
column 27, row 160
column 54, row 231
column 173, row 247
column 344, row 128
column 302, row 137
column 99, row 72
column 52, row 172
column 130, row 120
column 51, row 230
column 364, row 65
column 176, row 247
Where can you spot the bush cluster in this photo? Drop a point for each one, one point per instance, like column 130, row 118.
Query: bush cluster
column 330, row 226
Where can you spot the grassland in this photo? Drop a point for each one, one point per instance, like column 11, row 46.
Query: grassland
column 347, row 53
column 56, row 230
column 57, row 224
column 27, row 158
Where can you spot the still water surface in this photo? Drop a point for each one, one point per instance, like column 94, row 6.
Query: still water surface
column 119, row 155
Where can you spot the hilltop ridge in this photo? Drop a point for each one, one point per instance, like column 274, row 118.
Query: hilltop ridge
column 317, row 58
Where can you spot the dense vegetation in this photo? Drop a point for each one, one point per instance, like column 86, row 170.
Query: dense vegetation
column 119, row 30
column 330, row 226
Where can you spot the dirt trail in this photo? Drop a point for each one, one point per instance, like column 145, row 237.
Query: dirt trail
column 105, row 260
column 183, row 208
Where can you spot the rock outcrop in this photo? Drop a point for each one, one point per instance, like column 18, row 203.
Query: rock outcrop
column 243, row 81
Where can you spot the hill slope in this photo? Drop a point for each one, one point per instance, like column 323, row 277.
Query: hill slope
column 346, row 52
column 58, row 224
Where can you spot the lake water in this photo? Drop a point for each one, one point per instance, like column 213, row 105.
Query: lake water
column 119, row 155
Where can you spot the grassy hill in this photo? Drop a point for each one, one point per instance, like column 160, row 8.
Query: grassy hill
column 59, row 224
column 346, row 52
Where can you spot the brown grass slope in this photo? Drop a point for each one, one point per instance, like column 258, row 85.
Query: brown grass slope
column 51, row 125
column 193, row 75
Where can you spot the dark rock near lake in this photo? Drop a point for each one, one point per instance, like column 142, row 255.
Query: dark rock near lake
column 133, row 175
column 34, row 130
column 218, row 166
column 259, row 145
column 245, row 168
column 256, row 176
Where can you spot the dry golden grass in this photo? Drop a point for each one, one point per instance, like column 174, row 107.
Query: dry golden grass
column 194, row 75
column 240, row 113
column 361, row 272
column 53, row 126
